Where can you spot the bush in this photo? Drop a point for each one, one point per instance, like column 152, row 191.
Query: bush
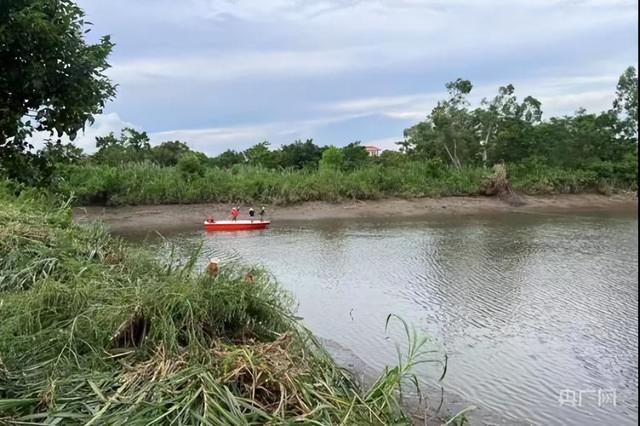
column 332, row 158
column 190, row 166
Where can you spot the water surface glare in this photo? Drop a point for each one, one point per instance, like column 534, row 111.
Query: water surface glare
column 529, row 308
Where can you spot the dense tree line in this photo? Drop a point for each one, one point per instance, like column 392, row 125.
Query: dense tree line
column 297, row 155
column 506, row 129
column 133, row 146
column 503, row 128
column 455, row 135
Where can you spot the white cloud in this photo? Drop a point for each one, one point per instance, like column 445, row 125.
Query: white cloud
column 567, row 104
column 413, row 107
column 103, row 125
column 291, row 10
column 559, row 96
column 407, row 115
column 214, row 140
column 376, row 103
column 353, row 36
column 217, row 67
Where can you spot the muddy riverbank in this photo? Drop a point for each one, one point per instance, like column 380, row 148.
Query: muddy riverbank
column 179, row 216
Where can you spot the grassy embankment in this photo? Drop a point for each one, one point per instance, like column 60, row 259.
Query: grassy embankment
column 95, row 332
column 146, row 183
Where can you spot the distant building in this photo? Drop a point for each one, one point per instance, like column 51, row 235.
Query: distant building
column 373, row 151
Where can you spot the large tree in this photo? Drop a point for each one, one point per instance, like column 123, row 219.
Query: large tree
column 51, row 79
column 131, row 146
column 448, row 132
column 300, row 154
column 261, row 155
column 626, row 102
column 227, row 159
column 168, row 153
column 355, row 155
column 505, row 126
column 61, row 153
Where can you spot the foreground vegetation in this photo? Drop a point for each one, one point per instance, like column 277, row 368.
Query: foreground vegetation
column 95, row 332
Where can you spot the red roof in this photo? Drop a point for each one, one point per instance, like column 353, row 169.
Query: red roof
column 371, row 148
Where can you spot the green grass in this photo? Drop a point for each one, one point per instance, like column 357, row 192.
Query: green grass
column 93, row 331
column 147, row 183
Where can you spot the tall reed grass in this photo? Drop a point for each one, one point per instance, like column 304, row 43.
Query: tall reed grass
column 95, row 332
column 148, row 183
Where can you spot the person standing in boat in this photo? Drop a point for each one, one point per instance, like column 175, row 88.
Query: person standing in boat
column 234, row 213
column 252, row 213
column 262, row 211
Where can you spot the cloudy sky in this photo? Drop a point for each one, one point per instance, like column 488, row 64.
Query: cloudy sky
column 224, row 74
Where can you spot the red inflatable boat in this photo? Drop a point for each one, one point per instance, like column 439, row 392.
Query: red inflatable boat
column 237, row 225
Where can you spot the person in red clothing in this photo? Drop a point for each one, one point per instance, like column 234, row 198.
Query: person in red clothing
column 234, row 213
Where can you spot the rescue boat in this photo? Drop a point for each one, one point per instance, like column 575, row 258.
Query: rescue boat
column 235, row 225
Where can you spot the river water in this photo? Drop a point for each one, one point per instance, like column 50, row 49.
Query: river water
column 536, row 313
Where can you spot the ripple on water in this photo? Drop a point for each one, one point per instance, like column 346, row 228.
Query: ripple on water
column 525, row 306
